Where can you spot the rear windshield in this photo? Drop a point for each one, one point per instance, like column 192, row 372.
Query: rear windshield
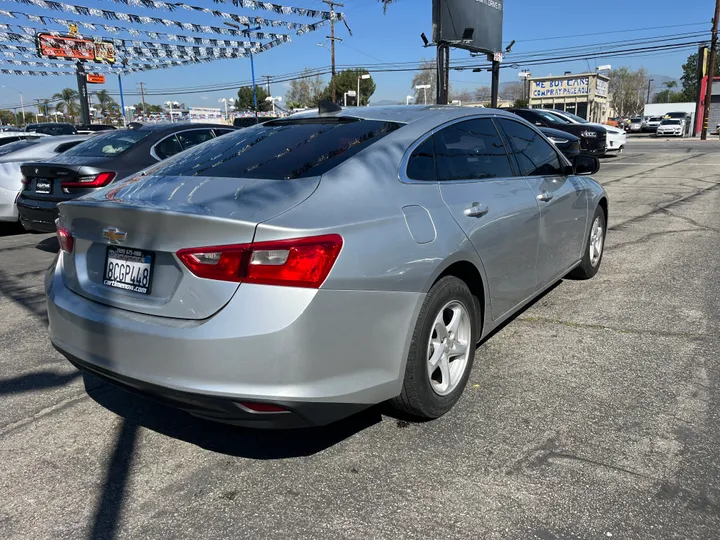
column 53, row 129
column 280, row 150
column 108, row 144
column 15, row 146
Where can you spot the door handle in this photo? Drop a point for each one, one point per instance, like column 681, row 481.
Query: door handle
column 545, row 196
column 476, row 210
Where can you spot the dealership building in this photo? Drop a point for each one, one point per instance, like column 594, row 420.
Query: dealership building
column 584, row 94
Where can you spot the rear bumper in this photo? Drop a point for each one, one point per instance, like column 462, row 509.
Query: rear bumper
column 37, row 215
column 8, row 210
column 320, row 354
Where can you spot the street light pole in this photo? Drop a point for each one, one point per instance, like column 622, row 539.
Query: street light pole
column 252, row 66
column 424, row 88
column 364, row 76
column 22, row 105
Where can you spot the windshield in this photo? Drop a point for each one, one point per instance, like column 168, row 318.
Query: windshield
column 675, row 115
column 636, row 120
column 578, row 119
column 15, row 146
column 109, row 144
column 280, row 150
column 670, row 122
column 550, row 118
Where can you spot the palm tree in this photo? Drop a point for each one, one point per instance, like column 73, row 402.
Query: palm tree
column 669, row 85
column 105, row 101
column 68, row 101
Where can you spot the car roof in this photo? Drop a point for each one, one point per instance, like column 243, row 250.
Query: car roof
column 405, row 114
column 177, row 126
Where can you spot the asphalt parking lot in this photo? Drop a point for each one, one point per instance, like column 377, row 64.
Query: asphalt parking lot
column 593, row 414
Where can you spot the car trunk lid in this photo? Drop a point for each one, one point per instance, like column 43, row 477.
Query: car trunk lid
column 44, row 181
column 147, row 220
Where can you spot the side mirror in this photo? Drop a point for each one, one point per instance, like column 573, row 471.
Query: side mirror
column 586, row 165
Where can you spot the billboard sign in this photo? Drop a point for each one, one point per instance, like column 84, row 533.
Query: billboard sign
column 452, row 20
column 601, row 89
column 65, row 47
column 96, row 78
column 74, row 48
column 559, row 87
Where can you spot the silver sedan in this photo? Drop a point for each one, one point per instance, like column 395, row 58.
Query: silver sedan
column 14, row 154
column 298, row 271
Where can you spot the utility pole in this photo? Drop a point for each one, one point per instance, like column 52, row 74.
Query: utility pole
column 267, row 83
column 711, row 72
column 142, row 95
column 332, row 39
column 82, row 91
column 495, row 84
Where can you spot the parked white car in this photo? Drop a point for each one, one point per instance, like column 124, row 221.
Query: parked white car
column 671, row 127
column 616, row 137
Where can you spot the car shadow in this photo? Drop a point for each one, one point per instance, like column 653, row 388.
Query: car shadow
column 49, row 245
column 11, row 229
column 226, row 439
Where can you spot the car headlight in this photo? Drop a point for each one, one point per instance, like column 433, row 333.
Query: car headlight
column 589, row 134
column 558, row 141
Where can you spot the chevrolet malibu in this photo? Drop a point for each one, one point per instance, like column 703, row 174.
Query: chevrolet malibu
column 295, row 272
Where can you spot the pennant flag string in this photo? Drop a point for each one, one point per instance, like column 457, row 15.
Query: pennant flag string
column 300, row 28
column 44, row 19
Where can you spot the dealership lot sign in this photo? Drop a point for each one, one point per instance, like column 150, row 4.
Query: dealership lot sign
column 560, row 87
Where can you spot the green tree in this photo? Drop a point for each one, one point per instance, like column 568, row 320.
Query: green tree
column 105, row 102
column 244, row 101
column 68, row 101
column 305, row 91
column 7, row 117
column 668, row 96
column 348, row 80
column 689, row 79
column 521, row 103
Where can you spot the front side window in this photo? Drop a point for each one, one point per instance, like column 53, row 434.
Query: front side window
column 421, row 165
column 471, row 150
column 281, row 149
column 534, row 154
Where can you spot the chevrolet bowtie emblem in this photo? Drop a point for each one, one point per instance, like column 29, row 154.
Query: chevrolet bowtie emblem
column 115, row 236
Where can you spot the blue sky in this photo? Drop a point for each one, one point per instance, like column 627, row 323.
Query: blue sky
column 394, row 37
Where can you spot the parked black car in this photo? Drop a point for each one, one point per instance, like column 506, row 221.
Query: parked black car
column 593, row 139
column 566, row 142
column 99, row 161
column 52, row 128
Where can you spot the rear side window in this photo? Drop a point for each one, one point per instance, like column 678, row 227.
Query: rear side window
column 168, row 147
column 109, row 144
column 421, row 165
column 188, row 139
column 15, row 146
column 280, row 150
column 8, row 140
column 534, row 155
column 471, row 150
column 64, row 147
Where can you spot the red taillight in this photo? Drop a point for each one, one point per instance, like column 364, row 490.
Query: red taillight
column 25, row 180
column 99, row 180
column 65, row 239
column 302, row 262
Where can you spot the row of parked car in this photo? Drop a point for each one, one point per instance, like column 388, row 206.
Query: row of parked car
column 51, row 163
column 676, row 124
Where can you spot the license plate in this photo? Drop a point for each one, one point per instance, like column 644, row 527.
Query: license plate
column 129, row 269
column 42, row 186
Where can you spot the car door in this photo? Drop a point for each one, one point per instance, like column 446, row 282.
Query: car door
column 496, row 209
column 561, row 199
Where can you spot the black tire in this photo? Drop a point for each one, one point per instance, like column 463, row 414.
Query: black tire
column 586, row 270
column 418, row 399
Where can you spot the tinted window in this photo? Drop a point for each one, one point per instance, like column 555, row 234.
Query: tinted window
column 109, row 144
column 421, row 165
column 8, row 140
column 64, row 147
column 168, row 147
column 535, row 156
column 284, row 149
column 188, row 139
column 15, row 146
column 219, row 132
column 53, row 129
column 471, row 150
